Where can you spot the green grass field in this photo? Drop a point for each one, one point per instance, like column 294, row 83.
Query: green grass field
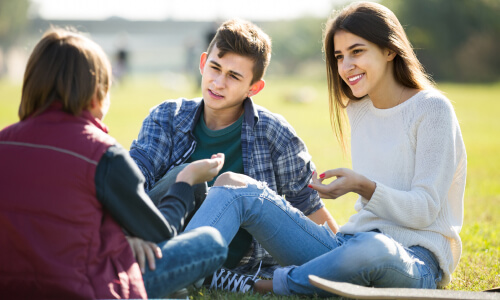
column 476, row 106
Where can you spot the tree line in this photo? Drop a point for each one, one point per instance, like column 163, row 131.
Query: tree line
column 456, row 40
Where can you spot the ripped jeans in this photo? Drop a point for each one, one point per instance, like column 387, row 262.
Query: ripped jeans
column 305, row 248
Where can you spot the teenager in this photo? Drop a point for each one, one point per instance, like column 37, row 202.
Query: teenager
column 69, row 192
column 255, row 142
column 409, row 170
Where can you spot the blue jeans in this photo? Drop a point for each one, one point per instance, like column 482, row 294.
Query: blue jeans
column 241, row 242
column 161, row 187
column 305, row 248
column 187, row 258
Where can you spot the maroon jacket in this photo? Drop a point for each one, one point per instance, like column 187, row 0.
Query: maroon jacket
column 56, row 240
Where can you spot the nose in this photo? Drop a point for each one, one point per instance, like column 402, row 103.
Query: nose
column 347, row 64
column 219, row 80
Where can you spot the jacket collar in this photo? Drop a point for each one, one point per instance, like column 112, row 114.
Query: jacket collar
column 85, row 114
column 97, row 123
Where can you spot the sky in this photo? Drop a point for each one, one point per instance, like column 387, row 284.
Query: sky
column 198, row 10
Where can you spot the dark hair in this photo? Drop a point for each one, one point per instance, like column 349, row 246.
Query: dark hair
column 246, row 39
column 376, row 24
column 66, row 67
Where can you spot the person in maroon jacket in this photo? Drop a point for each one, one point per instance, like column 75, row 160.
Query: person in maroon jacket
column 71, row 194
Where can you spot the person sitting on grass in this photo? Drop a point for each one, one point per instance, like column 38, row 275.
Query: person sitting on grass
column 69, row 192
column 409, row 170
column 256, row 142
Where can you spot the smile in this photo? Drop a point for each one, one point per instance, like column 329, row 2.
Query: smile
column 355, row 79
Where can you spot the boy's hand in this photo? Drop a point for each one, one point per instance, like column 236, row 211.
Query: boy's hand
column 201, row 170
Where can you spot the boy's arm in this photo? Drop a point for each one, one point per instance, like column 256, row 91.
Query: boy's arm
column 151, row 150
column 294, row 171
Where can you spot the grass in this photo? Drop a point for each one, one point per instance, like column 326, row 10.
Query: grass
column 476, row 106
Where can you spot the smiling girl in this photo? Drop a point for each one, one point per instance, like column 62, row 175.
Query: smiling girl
column 409, row 170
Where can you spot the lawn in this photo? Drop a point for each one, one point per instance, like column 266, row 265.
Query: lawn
column 304, row 104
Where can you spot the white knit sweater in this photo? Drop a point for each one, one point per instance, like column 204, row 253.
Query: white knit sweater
column 415, row 154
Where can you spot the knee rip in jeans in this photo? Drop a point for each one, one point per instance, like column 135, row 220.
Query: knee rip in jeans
column 258, row 184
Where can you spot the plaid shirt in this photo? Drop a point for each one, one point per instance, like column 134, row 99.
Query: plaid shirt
column 272, row 152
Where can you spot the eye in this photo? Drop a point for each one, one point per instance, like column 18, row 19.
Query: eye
column 339, row 57
column 357, row 51
column 234, row 77
column 215, row 67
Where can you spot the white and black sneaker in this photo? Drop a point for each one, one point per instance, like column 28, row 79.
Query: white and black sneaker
column 223, row 279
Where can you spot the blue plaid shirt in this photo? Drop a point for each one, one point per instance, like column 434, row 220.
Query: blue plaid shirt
column 272, row 152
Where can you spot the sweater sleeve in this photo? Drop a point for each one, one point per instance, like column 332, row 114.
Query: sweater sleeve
column 120, row 189
column 436, row 163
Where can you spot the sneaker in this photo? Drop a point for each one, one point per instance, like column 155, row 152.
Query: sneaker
column 230, row 281
column 180, row 294
column 198, row 284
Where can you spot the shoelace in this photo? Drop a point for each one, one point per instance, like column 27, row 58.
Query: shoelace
column 241, row 282
column 258, row 270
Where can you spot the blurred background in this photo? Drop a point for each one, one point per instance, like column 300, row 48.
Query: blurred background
column 456, row 40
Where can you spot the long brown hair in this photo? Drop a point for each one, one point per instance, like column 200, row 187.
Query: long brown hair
column 377, row 24
column 246, row 39
column 66, row 67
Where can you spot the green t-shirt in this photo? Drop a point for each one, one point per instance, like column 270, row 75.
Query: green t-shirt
column 227, row 141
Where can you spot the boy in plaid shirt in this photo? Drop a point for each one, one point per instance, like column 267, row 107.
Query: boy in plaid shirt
column 255, row 142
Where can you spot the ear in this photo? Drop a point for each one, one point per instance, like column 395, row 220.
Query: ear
column 203, row 61
column 256, row 88
column 390, row 54
column 95, row 106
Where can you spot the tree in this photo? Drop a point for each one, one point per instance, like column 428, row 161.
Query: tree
column 13, row 19
column 454, row 39
column 295, row 43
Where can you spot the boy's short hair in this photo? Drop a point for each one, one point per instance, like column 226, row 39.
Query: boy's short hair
column 246, row 39
column 66, row 67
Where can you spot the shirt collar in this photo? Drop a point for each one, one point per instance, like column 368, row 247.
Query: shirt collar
column 251, row 115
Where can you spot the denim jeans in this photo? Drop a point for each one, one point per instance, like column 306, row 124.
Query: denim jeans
column 305, row 248
column 187, row 258
column 241, row 242
column 161, row 187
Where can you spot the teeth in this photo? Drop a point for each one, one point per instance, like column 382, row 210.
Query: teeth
column 215, row 93
column 355, row 77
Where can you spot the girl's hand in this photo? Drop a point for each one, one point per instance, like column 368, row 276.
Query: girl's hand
column 202, row 170
column 143, row 251
column 347, row 181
